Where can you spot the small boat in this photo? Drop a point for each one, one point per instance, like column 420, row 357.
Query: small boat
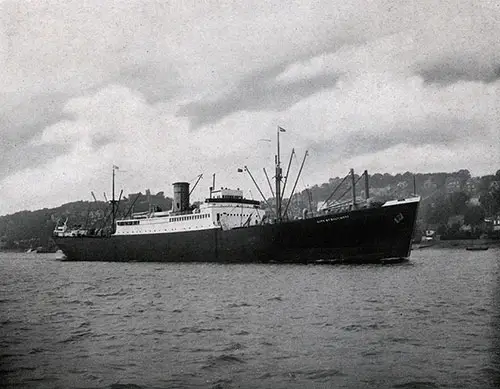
column 60, row 255
column 477, row 248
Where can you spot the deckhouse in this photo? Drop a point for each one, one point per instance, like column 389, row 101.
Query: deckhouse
column 225, row 208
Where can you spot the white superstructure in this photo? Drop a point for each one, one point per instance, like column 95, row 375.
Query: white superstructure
column 226, row 209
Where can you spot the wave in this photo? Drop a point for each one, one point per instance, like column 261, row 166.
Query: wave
column 75, row 337
column 196, row 330
column 222, row 360
column 120, row 292
column 236, row 305
column 319, row 374
column 234, row 347
column 416, row 385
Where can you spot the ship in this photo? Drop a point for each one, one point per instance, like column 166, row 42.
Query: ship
column 229, row 228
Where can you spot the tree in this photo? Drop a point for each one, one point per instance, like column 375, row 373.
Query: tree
column 458, row 203
column 439, row 211
column 440, row 179
column 490, row 200
column 474, row 216
column 376, row 180
column 484, row 183
column 464, row 174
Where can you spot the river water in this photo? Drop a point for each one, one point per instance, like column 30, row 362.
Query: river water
column 432, row 322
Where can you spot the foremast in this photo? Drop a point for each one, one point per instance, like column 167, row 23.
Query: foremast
column 114, row 202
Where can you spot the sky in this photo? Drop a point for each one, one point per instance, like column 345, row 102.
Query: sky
column 170, row 90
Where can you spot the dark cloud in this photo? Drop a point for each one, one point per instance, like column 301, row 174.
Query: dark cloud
column 431, row 132
column 100, row 140
column 450, row 71
column 258, row 91
column 23, row 156
column 156, row 84
column 23, row 153
column 22, row 123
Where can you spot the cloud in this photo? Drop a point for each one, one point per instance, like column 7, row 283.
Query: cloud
column 465, row 48
column 385, row 84
column 256, row 92
column 116, row 125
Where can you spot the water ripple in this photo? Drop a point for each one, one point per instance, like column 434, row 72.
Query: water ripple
column 434, row 323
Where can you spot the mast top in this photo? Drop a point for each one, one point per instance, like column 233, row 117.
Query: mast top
column 278, row 176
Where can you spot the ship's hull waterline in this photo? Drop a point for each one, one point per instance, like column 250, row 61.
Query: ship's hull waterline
column 360, row 236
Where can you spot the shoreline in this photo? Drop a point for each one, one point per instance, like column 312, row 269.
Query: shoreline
column 456, row 243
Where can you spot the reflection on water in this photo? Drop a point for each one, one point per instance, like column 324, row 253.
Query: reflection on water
column 430, row 323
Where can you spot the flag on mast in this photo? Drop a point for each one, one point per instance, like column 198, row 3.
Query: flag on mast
column 116, row 167
column 281, row 129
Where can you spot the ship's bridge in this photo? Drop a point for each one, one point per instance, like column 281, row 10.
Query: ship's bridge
column 230, row 209
column 225, row 195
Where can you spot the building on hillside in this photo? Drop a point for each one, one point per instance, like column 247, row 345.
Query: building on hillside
column 429, row 185
column 470, row 186
column 457, row 219
column 466, row 228
column 493, row 223
column 452, row 185
column 380, row 191
column 495, row 185
column 474, row 201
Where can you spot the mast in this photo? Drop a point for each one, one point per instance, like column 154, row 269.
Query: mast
column 367, row 185
column 353, row 189
column 113, row 201
column 278, row 175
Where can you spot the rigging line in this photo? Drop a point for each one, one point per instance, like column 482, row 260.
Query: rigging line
column 247, row 221
column 343, row 194
column 287, row 173
column 338, row 186
column 200, row 176
column 300, row 177
column 88, row 214
column 298, row 163
column 348, row 189
column 236, row 206
column 295, row 184
column 195, row 178
column 308, row 192
column 294, row 155
column 132, row 205
column 258, row 188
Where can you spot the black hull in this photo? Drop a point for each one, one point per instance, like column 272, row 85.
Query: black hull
column 362, row 236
